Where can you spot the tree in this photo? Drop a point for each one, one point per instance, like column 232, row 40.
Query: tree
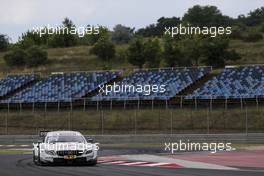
column 191, row 49
column 148, row 31
column 166, row 22
column 255, row 17
column 104, row 48
column 172, row 53
column 16, row 57
column 215, row 52
column 135, row 53
column 36, row 56
column 31, row 57
column 152, row 53
column 158, row 29
column 206, row 16
column 31, row 38
column 122, row 34
column 91, row 39
column 69, row 39
column 4, row 42
column 66, row 37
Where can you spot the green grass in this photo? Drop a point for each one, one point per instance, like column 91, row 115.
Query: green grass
column 252, row 53
column 13, row 152
column 143, row 121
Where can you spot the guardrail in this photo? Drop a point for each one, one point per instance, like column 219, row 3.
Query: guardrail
column 250, row 138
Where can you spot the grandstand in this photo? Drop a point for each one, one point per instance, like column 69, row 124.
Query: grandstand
column 64, row 87
column 233, row 83
column 12, row 83
column 175, row 80
column 245, row 82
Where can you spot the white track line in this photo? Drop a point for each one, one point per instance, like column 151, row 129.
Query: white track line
column 134, row 163
column 156, row 164
column 10, row 145
column 24, row 145
column 116, row 162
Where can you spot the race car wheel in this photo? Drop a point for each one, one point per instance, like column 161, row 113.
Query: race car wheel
column 93, row 163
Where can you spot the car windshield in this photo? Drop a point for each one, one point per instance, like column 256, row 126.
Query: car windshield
column 54, row 139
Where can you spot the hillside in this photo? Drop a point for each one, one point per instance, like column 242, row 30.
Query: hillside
column 79, row 59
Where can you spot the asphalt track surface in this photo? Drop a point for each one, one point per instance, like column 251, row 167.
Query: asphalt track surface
column 22, row 165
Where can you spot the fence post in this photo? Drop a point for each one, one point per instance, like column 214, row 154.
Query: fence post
column 159, row 120
column 45, row 115
column 195, row 102
column 45, row 107
column 246, row 120
column 111, row 104
column 171, row 122
column 257, row 103
column 7, row 115
column 135, row 125
column 58, row 106
column 211, row 103
column 69, row 120
column 208, row 121
column 33, row 113
column 102, row 122
column 124, row 104
column 33, row 107
column 84, row 104
column 181, row 102
column 20, row 107
column 226, row 103
column 241, row 103
column 152, row 104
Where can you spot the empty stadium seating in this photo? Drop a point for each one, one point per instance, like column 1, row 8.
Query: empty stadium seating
column 233, row 83
column 14, row 82
column 175, row 80
column 63, row 87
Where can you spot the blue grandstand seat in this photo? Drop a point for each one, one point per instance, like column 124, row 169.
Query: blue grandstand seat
column 233, row 83
column 63, row 87
column 14, row 82
column 175, row 80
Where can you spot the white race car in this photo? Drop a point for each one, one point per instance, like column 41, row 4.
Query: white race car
column 65, row 147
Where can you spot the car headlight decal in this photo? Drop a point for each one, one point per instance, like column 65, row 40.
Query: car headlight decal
column 50, row 152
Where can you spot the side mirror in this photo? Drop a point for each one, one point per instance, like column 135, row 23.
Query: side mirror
column 40, row 141
column 89, row 140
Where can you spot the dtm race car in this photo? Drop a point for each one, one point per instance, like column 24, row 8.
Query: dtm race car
column 65, row 147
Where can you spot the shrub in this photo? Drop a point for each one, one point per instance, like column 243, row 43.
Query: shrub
column 262, row 28
column 4, row 42
column 122, row 34
column 36, row 56
column 15, row 58
column 32, row 57
column 104, row 48
column 252, row 37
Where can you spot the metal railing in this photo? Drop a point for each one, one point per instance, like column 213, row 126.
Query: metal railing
column 173, row 116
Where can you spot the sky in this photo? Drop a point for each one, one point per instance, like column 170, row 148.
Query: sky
column 18, row 16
